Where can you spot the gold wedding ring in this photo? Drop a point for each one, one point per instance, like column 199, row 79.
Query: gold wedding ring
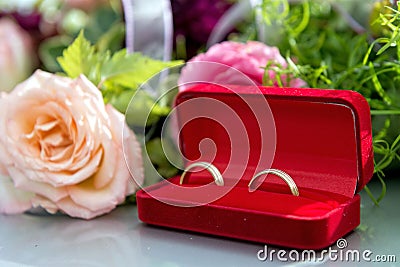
column 286, row 177
column 207, row 166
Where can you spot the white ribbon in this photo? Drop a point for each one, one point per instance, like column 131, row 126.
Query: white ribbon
column 149, row 27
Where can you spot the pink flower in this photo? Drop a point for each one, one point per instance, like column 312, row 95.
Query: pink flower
column 16, row 54
column 248, row 61
column 63, row 149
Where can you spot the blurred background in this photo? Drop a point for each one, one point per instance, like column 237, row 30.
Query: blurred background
column 33, row 33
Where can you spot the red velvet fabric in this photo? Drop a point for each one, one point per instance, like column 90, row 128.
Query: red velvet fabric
column 268, row 198
column 321, row 138
column 310, row 221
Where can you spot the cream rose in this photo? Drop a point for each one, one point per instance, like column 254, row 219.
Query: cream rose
column 61, row 145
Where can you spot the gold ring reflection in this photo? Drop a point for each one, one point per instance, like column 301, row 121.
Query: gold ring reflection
column 286, row 177
column 215, row 173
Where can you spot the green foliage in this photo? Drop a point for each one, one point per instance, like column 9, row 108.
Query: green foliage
column 140, row 110
column 79, row 58
column 131, row 70
column 294, row 21
column 118, row 76
column 103, row 27
column 52, row 48
column 325, row 49
column 155, row 149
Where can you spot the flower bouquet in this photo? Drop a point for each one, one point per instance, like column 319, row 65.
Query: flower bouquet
column 65, row 145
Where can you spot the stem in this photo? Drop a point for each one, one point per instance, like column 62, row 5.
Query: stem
column 385, row 112
column 371, row 196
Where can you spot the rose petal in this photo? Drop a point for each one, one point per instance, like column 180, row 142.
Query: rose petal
column 5, row 159
column 95, row 94
column 3, row 170
column 74, row 210
column 130, row 147
column 49, row 206
column 23, row 183
column 130, row 184
column 98, row 199
column 61, row 154
column 111, row 145
column 66, row 177
column 133, row 160
column 13, row 200
column 106, row 171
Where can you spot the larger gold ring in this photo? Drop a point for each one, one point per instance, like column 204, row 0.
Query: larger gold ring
column 286, row 177
column 209, row 167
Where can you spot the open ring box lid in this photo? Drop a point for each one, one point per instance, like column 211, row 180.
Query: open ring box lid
column 321, row 138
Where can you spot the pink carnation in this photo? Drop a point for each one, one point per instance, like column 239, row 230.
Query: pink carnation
column 248, row 61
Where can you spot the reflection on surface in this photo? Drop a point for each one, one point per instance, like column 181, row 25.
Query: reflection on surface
column 119, row 239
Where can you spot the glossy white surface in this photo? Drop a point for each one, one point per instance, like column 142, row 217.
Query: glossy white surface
column 119, row 239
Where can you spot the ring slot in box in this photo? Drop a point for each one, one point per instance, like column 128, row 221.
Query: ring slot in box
column 321, row 138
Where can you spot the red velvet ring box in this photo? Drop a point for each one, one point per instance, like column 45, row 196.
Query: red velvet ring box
column 321, row 138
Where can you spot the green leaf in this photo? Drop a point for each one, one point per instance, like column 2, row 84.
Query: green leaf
column 80, row 58
column 390, row 43
column 131, row 70
column 157, row 152
column 378, row 86
column 274, row 11
column 140, row 108
column 383, row 190
column 371, row 196
column 304, row 20
column 385, row 112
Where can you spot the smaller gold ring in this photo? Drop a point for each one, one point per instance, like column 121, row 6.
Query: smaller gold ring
column 209, row 167
column 286, row 177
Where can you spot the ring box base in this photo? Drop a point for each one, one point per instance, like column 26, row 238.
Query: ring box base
column 302, row 232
